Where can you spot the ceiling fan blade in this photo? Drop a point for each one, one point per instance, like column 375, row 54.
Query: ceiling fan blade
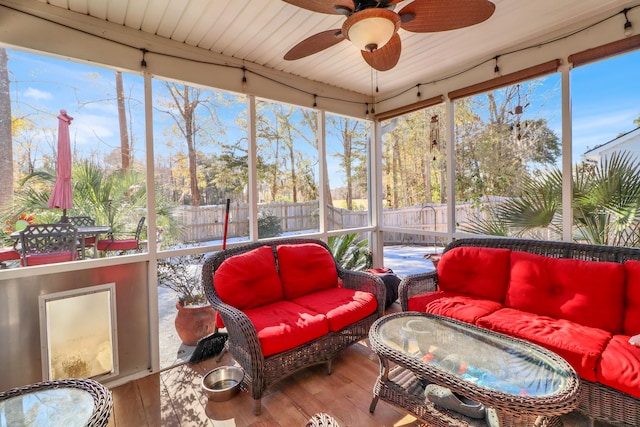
column 314, row 44
column 386, row 57
column 324, row 6
column 426, row 16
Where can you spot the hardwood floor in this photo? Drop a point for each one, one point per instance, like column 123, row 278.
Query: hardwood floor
column 174, row 398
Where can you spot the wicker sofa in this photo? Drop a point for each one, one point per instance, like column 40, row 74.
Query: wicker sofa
column 288, row 305
column 580, row 301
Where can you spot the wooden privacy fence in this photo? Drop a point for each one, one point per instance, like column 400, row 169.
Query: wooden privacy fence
column 206, row 223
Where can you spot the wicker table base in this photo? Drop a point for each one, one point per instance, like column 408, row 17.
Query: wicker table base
column 404, row 390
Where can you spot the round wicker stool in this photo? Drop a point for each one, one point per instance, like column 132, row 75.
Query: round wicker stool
column 322, row 420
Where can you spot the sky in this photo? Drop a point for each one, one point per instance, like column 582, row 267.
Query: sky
column 604, row 101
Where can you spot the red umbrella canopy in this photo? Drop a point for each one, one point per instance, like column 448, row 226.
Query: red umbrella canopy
column 61, row 196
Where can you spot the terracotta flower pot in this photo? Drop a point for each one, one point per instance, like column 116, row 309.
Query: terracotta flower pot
column 194, row 322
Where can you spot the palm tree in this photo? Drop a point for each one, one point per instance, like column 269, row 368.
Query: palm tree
column 606, row 204
column 349, row 252
column 114, row 199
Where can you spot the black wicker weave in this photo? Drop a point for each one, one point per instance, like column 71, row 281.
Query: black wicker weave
column 102, row 401
column 596, row 401
column 262, row 372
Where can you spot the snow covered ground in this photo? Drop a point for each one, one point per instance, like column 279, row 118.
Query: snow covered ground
column 404, row 260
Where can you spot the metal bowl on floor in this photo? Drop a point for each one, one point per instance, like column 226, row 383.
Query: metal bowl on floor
column 222, row 383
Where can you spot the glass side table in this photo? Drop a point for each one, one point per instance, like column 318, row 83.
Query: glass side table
column 69, row 403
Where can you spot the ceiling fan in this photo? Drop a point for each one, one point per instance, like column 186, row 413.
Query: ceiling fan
column 372, row 25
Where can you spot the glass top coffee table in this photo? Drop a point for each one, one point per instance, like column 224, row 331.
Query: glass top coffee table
column 523, row 384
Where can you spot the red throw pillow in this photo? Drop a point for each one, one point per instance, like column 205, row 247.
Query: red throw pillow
column 590, row 293
column 632, row 298
column 306, row 268
column 248, row 280
column 474, row 271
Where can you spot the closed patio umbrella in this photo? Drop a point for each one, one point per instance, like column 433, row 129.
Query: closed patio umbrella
column 61, row 195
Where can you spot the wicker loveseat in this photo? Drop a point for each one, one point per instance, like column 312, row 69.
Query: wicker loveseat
column 288, row 305
column 580, row 301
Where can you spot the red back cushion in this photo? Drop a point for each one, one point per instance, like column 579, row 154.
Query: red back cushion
column 306, row 268
column 249, row 280
column 632, row 298
column 478, row 272
column 587, row 292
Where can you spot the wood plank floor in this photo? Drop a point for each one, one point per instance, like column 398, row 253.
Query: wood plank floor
column 174, row 398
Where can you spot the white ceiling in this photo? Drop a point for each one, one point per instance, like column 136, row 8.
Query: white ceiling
column 262, row 31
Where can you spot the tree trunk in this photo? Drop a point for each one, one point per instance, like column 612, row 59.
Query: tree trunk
column 193, row 170
column 125, row 151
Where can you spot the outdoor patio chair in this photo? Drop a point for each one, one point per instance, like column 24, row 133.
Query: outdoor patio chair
column 85, row 221
column 48, row 244
column 122, row 245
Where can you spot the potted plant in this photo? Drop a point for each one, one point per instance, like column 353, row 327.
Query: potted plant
column 195, row 318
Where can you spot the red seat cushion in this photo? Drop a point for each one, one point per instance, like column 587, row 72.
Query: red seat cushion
column 341, row 306
column 284, row 325
column 631, row 324
column 118, row 245
column 89, row 241
column 461, row 307
column 8, row 254
column 249, row 280
column 586, row 292
column 478, row 272
column 305, row 268
column 579, row 345
column 40, row 259
column 619, row 366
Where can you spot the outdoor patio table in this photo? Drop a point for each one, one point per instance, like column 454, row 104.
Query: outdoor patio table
column 83, row 231
column 520, row 384
column 71, row 402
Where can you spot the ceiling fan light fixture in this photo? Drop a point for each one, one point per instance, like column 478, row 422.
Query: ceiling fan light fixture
column 370, row 29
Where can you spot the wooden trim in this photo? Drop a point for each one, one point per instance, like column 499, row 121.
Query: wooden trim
column 604, row 51
column 506, row 80
column 410, row 108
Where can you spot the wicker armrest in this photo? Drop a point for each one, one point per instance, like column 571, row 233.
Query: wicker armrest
column 365, row 282
column 239, row 327
column 416, row 284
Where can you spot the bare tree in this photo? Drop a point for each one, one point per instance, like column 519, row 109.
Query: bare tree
column 125, row 148
column 186, row 100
